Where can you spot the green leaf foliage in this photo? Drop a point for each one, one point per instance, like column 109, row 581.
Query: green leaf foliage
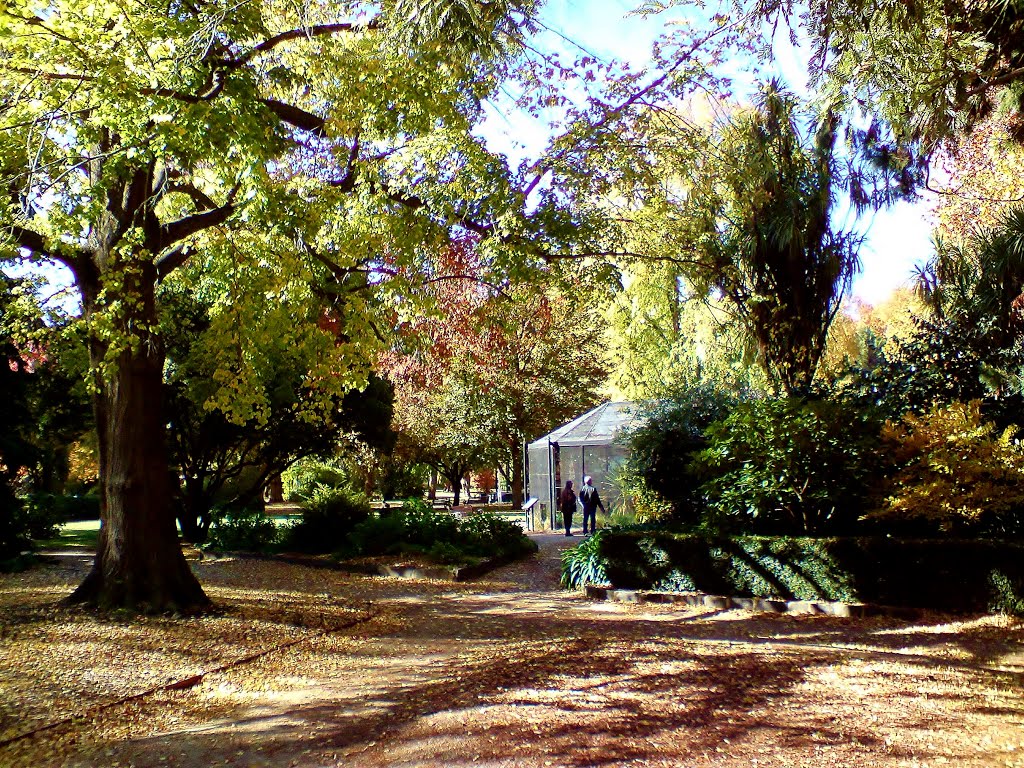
column 938, row 574
column 583, row 564
column 743, row 210
column 928, row 69
column 789, row 466
column 943, row 361
column 242, row 530
column 671, row 430
column 328, row 517
column 247, row 393
column 415, row 527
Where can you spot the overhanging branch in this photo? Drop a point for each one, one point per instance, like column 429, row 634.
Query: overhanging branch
column 297, row 117
column 317, row 30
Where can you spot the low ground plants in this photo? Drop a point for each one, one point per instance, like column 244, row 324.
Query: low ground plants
column 328, row 518
column 242, row 531
column 939, row 574
column 438, row 535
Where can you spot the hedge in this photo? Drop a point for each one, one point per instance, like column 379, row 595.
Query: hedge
column 947, row 575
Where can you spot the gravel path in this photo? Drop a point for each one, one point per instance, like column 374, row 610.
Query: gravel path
column 510, row 671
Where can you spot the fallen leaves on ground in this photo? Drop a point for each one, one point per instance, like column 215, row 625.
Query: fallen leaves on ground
column 362, row 671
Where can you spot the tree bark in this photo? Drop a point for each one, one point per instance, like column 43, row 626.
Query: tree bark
column 139, row 564
column 193, row 509
column 275, row 489
column 517, row 479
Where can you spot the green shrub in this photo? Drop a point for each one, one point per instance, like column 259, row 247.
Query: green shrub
column 488, row 535
column 424, row 525
column 377, row 535
column 437, row 534
column 655, row 477
column 43, row 514
column 14, row 535
column 36, row 517
column 242, row 531
column 307, row 477
column 939, row 574
column 445, row 554
column 943, row 361
column 328, row 517
column 584, row 564
column 55, row 509
column 789, row 466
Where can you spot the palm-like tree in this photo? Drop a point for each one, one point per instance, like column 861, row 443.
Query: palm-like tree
column 980, row 281
column 769, row 245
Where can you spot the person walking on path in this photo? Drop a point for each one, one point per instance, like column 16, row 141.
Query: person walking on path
column 591, row 500
column 567, row 503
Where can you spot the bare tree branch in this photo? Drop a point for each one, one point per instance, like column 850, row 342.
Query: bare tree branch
column 203, row 201
column 35, row 243
column 297, row 117
column 317, row 30
column 173, row 233
column 29, row 240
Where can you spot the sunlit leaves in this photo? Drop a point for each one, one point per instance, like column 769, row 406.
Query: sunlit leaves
column 955, row 469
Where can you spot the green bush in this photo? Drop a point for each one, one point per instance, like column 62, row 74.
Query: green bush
column 789, row 466
column 307, row 477
column 944, row 361
column 939, row 574
column 584, row 564
column 443, row 553
column 14, row 534
column 656, row 475
column 56, row 509
column 424, row 526
column 438, row 535
column 44, row 513
column 328, row 517
column 381, row 534
column 242, row 530
column 488, row 535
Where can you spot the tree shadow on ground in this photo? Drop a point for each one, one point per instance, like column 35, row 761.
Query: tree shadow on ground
column 548, row 675
column 576, row 696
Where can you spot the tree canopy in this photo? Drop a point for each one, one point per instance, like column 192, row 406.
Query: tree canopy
column 135, row 138
column 743, row 208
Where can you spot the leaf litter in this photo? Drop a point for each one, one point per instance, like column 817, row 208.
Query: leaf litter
column 359, row 671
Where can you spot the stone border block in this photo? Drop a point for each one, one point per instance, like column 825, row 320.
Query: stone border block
column 753, row 604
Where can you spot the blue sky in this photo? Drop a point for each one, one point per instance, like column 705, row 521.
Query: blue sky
column 896, row 238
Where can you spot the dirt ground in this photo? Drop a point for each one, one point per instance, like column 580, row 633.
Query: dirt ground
column 308, row 667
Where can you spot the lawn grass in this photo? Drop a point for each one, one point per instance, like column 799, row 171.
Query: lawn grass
column 81, row 533
column 84, row 533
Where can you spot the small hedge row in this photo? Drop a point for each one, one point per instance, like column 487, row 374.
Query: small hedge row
column 945, row 575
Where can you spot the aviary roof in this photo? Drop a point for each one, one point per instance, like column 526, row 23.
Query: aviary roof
column 601, row 426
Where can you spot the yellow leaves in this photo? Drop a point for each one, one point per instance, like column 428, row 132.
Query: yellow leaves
column 954, row 467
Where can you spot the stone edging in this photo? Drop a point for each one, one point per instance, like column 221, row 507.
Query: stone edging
column 725, row 603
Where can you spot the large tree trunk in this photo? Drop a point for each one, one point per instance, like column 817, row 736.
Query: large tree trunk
column 139, row 563
column 275, row 489
column 193, row 508
column 517, row 478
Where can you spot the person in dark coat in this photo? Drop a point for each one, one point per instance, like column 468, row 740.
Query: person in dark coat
column 567, row 503
column 591, row 500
